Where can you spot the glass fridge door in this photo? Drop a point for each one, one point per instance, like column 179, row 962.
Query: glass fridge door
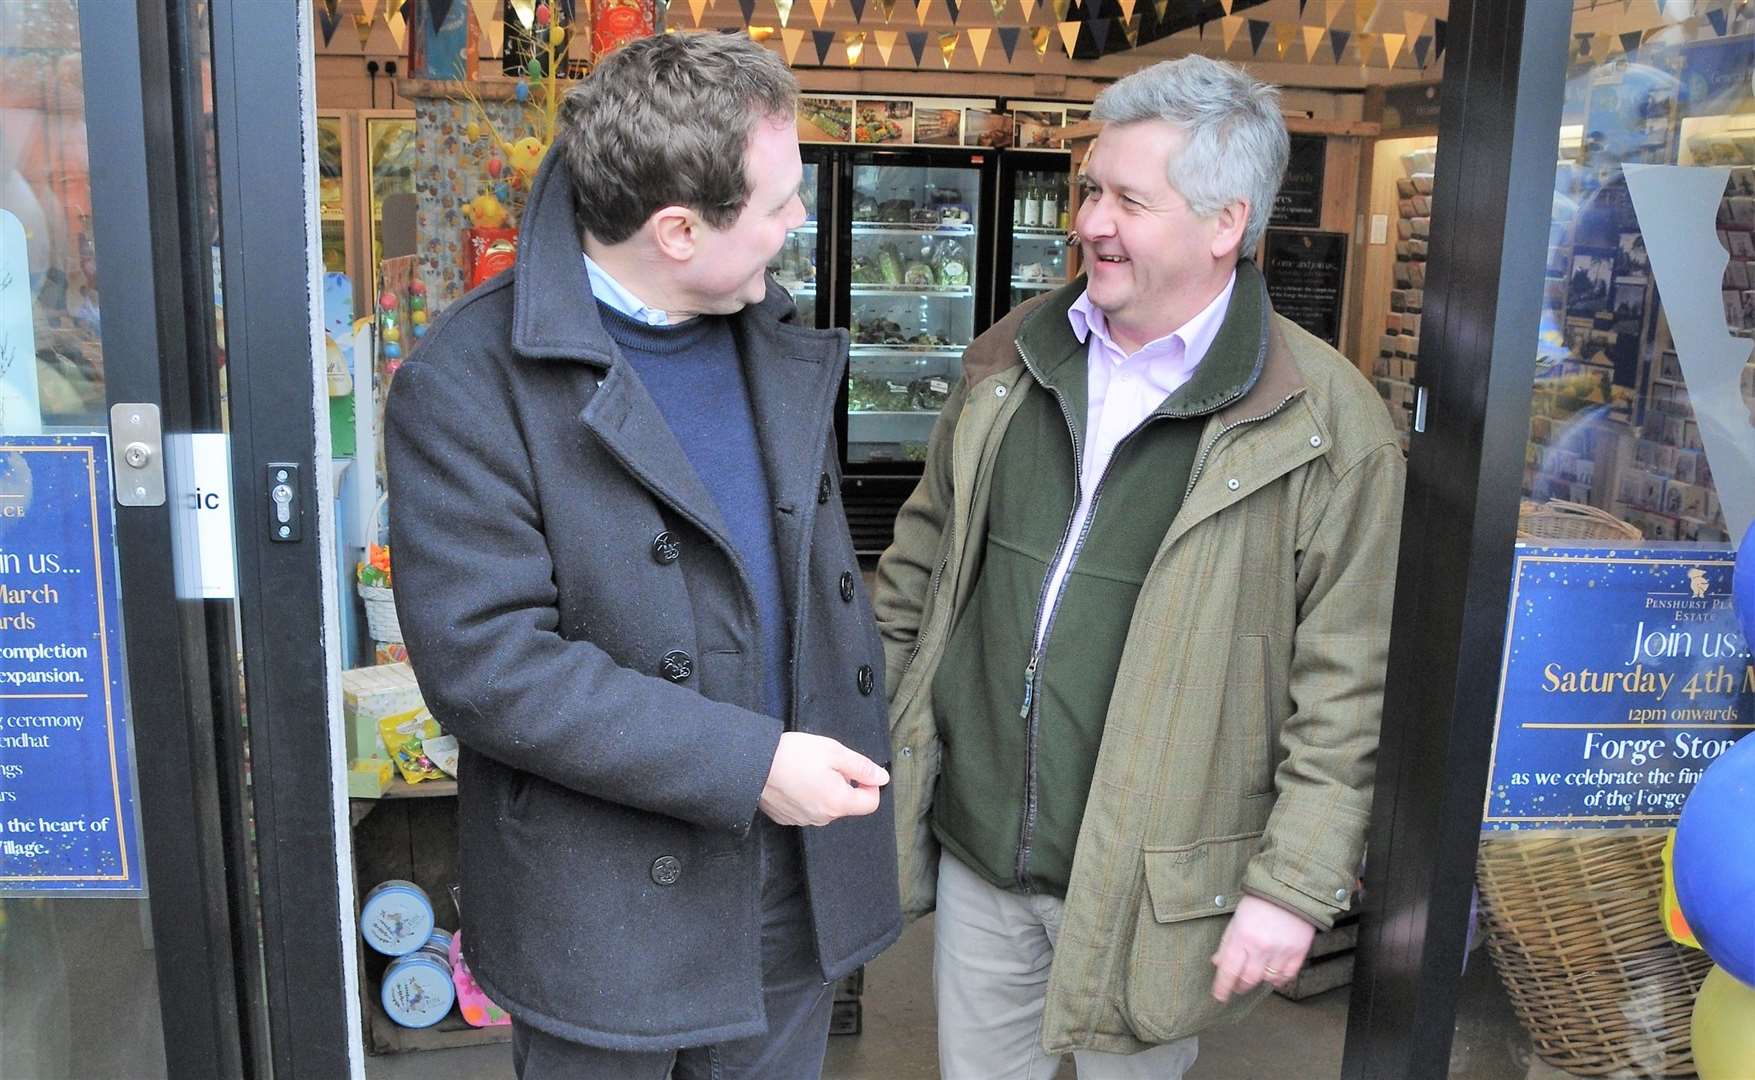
column 332, row 193
column 1039, row 223
column 390, row 160
column 912, row 302
column 795, row 267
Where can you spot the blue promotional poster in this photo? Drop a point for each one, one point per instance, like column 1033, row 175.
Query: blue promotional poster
column 1625, row 676
column 67, row 818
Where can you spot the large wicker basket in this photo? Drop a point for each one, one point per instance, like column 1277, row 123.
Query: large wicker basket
column 1572, row 917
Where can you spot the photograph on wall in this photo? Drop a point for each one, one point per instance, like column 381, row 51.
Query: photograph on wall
column 824, row 119
column 879, row 122
column 1630, row 256
column 984, row 128
column 938, row 127
column 1034, row 128
column 1629, row 307
column 1593, row 271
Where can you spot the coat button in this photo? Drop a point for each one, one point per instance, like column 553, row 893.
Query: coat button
column 847, row 586
column 824, row 486
column 677, row 665
column 1341, row 896
column 1233, row 484
column 665, row 548
column 666, row 870
column 867, row 679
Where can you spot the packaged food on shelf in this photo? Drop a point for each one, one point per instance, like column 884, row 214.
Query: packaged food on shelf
column 396, row 917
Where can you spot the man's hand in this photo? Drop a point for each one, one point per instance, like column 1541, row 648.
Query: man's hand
column 1263, row 943
column 815, row 780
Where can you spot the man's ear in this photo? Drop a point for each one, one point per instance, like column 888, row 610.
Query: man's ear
column 674, row 231
column 1231, row 220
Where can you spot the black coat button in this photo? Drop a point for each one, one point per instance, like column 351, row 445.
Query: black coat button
column 847, row 586
column 665, row 548
column 824, row 486
column 666, row 870
column 867, row 679
column 677, row 665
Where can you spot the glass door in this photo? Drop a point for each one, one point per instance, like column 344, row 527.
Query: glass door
column 1035, row 215
column 390, row 200
column 913, row 243
column 801, row 267
column 333, row 188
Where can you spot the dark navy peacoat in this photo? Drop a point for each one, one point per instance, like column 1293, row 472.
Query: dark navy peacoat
column 577, row 617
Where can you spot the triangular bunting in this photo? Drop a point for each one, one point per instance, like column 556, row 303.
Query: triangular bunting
column 951, row 6
column 1415, row 22
column 979, row 36
column 487, row 13
column 1039, row 38
column 1258, row 29
column 1028, row 7
column 921, row 7
column 1422, row 46
column 761, row 35
column 858, row 7
column 1100, row 33
column 822, row 39
column 998, row 9
column 1581, row 44
column 1283, row 35
column 888, row 7
column 1131, row 29
column 439, row 10
column 1717, row 18
column 1439, row 26
column 525, row 11
column 1301, row 6
column 1363, row 45
column 783, row 8
column 749, row 10
column 855, row 42
column 1127, row 7
column 817, row 8
column 1228, row 28
column 369, row 8
column 397, row 24
column 1661, row 5
column 1008, row 39
column 1312, row 41
column 947, row 45
column 1061, row 7
column 1331, row 8
column 1226, row 4
column 1631, row 40
column 1363, row 12
column 1337, row 43
column 917, row 44
column 328, row 17
column 886, row 44
column 1069, row 36
column 697, row 8
column 790, row 40
column 1392, row 45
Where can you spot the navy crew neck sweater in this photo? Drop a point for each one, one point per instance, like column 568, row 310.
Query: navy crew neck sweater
column 694, row 374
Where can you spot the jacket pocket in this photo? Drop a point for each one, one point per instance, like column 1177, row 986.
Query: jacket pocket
column 1247, row 715
column 1167, row 989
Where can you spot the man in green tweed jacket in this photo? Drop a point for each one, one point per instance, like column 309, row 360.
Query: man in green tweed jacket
column 1136, row 617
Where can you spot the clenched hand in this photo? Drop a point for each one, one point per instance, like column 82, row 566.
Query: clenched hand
column 1263, row 943
column 815, row 780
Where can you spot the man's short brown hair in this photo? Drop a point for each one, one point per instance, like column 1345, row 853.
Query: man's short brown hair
column 665, row 121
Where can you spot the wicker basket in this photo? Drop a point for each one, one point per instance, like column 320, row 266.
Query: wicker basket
column 1572, row 917
column 380, row 601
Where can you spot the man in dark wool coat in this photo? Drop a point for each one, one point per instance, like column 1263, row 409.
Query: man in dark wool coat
column 625, row 580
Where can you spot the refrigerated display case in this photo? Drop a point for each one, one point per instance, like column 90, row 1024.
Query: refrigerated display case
column 801, row 267
column 1035, row 218
column 390, row 162
column 364, row 156
column 334, row 187
column 915, row 296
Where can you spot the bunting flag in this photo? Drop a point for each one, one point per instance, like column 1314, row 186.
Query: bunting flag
column 1439, row 26
column 979, row 36
column 1258, row 29
column 1069, row 36
column 1008, row 39
column 1127, row 7
column 1661, row 5
column 947, row 45
column 1313, row 36
column 855, row 42
column 1631, row 40
column 817, row 8
column 998, row 10
column 1228, row 28
column 1363, row 44
column 1100, row 33
column 487, row 14
column 749, row 10
column 1415, row 23
column 1284, row 33
column 1581, row 44
column 440, row 9
column 783, row 8
column 1301, row 4
column 1422, row 46
column 1158, row 7
column 790, row 40
column 1716, row 17
column 917, row 44
column 1392, row 44
column 328, row 17
column 525, row 10
column 858, row 7
column 368, row 10
column 1226, row 4
column 697, row 8
column 1131, row 30
column 1363, row 12
column 951, row 6
column 888, row 7
column 886, row 44
column 1039, row 38
column 1028, row 7
column 397, row 24
column 823, row 40
column 362, row 25
column 921, row 7
column 1337, row 43
column 1331, row 8
column 761, row 35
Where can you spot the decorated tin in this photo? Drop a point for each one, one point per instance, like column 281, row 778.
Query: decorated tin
column 438, row 945
column 417, row 990
column 396, row 918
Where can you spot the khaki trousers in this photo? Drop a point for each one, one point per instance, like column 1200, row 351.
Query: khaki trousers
column 991, row 953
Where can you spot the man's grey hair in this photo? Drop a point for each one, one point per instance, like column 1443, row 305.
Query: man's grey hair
column 665, row 121
column 1236, row 138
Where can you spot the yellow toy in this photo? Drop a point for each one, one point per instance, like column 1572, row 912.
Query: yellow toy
column 525, row 155
column 485, row 211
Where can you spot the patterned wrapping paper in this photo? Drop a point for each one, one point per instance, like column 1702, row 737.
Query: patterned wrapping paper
column 449, row 171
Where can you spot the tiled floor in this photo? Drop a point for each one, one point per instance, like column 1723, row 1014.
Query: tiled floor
column 1283, row 1040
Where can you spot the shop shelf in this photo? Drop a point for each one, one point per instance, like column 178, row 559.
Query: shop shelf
column 889, row 352
column 388, row 1037
column 963, row 292
column 871, row 228
column 1033, row 232
column 1040, row 286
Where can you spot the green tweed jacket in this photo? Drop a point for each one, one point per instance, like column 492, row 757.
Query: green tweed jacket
column 1238, row 749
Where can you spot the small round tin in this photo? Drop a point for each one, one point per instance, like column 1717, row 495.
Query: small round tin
column 396, row 918
column 417, row 990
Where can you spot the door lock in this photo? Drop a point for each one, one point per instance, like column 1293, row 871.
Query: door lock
column 136, row 461
column 284, row 512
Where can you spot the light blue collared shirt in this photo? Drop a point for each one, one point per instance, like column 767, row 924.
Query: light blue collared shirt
column 612, row 292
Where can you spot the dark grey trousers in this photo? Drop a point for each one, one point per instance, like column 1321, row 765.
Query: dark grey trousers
column 794, row 996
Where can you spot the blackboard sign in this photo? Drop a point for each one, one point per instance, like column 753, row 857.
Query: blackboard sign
column 1299, row 201
column 1306, row 273
column 1412, row 105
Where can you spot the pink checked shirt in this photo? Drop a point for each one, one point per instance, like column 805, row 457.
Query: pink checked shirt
column 1123, row 390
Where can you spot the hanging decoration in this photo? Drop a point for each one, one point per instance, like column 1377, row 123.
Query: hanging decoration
column 1631, row 41
column 1283, row 35
column 1258, row 29
column 1226, row 5
column 1331, row 8
column 783, row 8
column 947, row 46
column 1439, row 26
column 1008, row 39
column 1422, row 46
column 1313, row 36
column 858, row 7
column 823, row 40
column 1717, row 18
column 696, row 9
column 1229, row 27
column 328, row 18
column 888, row 7
column 790, row 41
column 1415, row 23
column 1028, row 7
column 1069, row 36
column 951, row 6
column 1392, row 44
column 854, row 40
column 1337, row 43
column 917, row 44
column 1127, row 7
column 818, row 8
column 362, row 24
column 921, row 7
column 1061, row 8
column 999, row 9
column 886, row 44
column 1131, row 29
column 1039, row 38
column 979, row 36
